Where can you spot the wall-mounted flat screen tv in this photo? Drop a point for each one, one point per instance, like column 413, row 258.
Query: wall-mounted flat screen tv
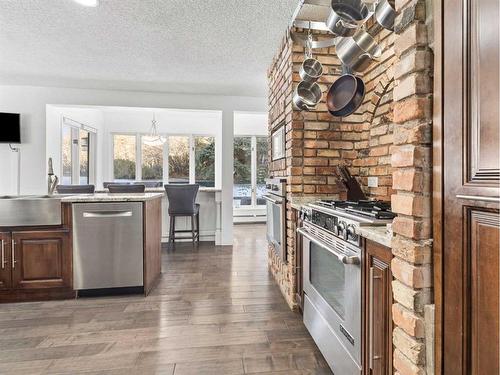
column 10, row 127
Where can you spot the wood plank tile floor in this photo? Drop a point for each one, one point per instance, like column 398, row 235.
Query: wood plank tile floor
column 216, row 310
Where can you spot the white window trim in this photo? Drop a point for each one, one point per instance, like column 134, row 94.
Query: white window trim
column 75, row 127
column 253, row 173
column 138, row 157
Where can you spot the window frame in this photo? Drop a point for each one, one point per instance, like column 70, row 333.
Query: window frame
column 165, row 166
column 75, row 128
column 253, row 170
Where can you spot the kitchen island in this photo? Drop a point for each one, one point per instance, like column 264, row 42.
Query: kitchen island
column 38, row 260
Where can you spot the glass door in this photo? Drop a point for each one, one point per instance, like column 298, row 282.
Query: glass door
column 77, row 155
column 250, row 171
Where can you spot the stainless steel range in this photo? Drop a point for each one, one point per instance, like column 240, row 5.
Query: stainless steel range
column 332, row 263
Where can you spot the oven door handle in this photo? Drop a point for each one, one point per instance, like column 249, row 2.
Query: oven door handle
column 269, row 199
column 342, row 257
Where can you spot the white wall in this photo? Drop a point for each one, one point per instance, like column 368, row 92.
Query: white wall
column 31, row 103
column 109, row 120
column 250, row 123
column 88, row 116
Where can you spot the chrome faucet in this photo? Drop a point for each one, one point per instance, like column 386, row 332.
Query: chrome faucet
column 52, row 179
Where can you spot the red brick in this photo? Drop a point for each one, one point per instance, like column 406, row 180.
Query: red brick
column 315, row 162
column 408, row 321
column 316, row 125
column 414, row 276
column 315, row 144
column 379, row 151
column 412, row 205
column 308, row 189
column 310, row 152
column 341, row 145
column 323, row 189
column 325, row 170
column 412, row 228
column 410, row 156
column 405, row 367
column 329, row 153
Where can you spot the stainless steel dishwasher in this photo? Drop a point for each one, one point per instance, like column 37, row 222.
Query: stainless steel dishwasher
column 107, row 245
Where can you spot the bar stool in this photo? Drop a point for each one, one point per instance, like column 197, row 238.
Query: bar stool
column 181, row 202
column 120, row 188
column 75, row 189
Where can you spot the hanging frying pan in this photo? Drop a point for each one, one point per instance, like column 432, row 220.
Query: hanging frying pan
column 345, row 95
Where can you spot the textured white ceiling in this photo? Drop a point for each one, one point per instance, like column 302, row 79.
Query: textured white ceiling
column 212, row 46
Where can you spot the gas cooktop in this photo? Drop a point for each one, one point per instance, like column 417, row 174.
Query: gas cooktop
column 363, row 208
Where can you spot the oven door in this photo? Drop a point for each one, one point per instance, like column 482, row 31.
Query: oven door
column 332, row 303
column 275, row 207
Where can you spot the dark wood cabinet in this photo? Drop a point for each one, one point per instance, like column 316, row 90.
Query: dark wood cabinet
column 5, row 262
column 41, row 260
column 377, row 279
column 36, row 263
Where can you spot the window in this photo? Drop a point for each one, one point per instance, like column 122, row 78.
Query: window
column 242, row 171
column 250, row 171
column 84, row 157
column 182, row 159
column 262, row 160
column 77, row 153
column 67, row 156
column 178, row 160
column 152, row 159
column 124, row 154
column 204, row 153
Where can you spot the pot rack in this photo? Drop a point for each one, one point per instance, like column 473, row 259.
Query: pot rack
column 311, row 8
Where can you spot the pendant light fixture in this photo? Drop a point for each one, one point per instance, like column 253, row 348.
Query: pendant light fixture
column 88, row 3
column 154, row 136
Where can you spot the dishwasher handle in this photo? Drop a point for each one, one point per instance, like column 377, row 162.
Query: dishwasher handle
column 98, row 214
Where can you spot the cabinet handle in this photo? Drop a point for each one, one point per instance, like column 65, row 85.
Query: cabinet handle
column 370, row 321
column 3, row 255
column 370, row 342
column 14, row 254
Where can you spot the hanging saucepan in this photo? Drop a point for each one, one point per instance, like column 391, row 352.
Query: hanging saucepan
column 307, row 95
column 359, row 51
column 345, row 95
column 346, row 16
column 385, row 14
column 311, row 70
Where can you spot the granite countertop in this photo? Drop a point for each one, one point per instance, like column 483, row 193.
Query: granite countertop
column 298, row 201
column 162, row 190
column 379, row 234
column 106, row 197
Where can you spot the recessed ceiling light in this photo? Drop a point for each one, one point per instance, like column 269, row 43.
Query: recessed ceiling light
column 88, row 3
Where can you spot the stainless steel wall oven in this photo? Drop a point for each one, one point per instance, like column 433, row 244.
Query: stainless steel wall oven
column 276, row 215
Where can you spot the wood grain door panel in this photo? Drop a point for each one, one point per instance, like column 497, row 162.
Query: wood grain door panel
column 483, row 100
column 5, row 262
column 378, row 304
column 41, row 260
column 470, row 188
column 483, row 300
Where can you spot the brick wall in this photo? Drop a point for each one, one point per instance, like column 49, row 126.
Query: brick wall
column 317, row 142
column 411, row 163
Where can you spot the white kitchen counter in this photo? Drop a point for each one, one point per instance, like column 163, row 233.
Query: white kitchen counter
column 106, row 197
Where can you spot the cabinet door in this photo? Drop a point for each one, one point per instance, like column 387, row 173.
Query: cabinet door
column 378, row 333
column 42, row 259
column 5, row 263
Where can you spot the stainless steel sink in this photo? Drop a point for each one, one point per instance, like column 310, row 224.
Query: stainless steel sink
column 30, row 210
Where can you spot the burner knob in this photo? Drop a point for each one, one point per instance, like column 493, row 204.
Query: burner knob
column 341, row 229
column 350, row 231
